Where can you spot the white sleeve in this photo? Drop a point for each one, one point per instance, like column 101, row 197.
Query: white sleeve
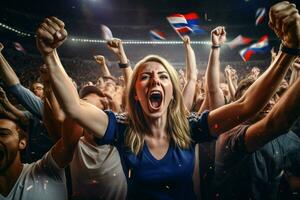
column 47, row 166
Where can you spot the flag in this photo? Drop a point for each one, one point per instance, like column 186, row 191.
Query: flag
column 19, row 47
column 106, row 33
column 180, row 25
column 157, row 35
column 193, row 22
column 185, row 24
column 239, row 40
column 262, row 46
column 260, row 14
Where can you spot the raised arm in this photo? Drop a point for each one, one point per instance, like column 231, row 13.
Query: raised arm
column 216, row 96
column 277, row 122
column 229, row 73
column 116, row 46
column 191, row 74
column 53, row 116
column 63, row 150
column 50, row 35
column 18, row 114
column 7, row 73
column 102, row 64
column 283, row 16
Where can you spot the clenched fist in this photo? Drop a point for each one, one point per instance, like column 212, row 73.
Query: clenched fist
column 50, row 35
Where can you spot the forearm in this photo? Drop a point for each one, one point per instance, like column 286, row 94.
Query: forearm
column 62, row 85
column 8, row 114
column 12, row 109
column 216, row 97
column 104, row 70
column 277, row 122
column 191, row 73
column 266, row 85
column 52, row 103
column 7, row 73
column 295, row 74
column 127, row 72
column 231, row 87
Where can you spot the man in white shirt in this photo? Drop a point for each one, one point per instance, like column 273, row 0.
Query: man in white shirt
column 44, row 179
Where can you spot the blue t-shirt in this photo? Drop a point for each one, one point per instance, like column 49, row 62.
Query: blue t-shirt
column 149, row 178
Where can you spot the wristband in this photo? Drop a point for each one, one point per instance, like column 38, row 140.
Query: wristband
column 124, row 65
column 215, row 46
column 290, row 51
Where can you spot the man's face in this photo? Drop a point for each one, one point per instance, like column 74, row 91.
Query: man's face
column 9, row 144
column 38, row 89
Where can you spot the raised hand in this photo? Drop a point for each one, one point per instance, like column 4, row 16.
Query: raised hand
column 186, row 41
column 100, row 59
column 255, row 71
column 285, row 22
column 50, row 35
column 218, row 36
column 116, row 46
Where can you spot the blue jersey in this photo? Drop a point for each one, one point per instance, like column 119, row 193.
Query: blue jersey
column 149, row 178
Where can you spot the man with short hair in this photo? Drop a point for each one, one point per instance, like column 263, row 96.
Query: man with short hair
column 43, row 179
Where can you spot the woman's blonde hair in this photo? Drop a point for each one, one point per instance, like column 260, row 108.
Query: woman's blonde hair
column 177, row 124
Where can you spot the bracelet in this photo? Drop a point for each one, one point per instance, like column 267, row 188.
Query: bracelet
column 215, row 46
column 290, row 51
column 124, row 65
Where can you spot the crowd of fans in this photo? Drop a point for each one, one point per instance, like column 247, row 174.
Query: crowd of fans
column 100, row 122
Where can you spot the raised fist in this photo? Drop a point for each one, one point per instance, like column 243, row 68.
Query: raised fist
column 218, row 36
column 116, row 46
column 50, row 35
column 100, row 59
column 285, row 22
column 186, row 41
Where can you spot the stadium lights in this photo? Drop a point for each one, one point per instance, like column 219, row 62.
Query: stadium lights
column 14, row 30
column 138, row 42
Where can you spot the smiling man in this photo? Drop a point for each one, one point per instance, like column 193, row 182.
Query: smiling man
column 44, row 179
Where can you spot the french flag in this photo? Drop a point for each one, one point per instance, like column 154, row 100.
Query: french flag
column 239, row 40
column 180, row 24
column 157, row 35
column 260, row 15
column 262, row 46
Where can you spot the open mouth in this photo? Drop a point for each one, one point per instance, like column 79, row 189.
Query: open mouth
column 155, row 99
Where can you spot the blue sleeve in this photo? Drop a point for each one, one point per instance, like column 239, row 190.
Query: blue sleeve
column 111, row 130
column 199, row 128
column 31, row 102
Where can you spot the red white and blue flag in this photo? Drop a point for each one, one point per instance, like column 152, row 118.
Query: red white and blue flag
column 260, row 15
column 239, row 40
column 185, row 24
column 157, row 35
column 193, row 22
column 180, row 25
column 262, row 46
